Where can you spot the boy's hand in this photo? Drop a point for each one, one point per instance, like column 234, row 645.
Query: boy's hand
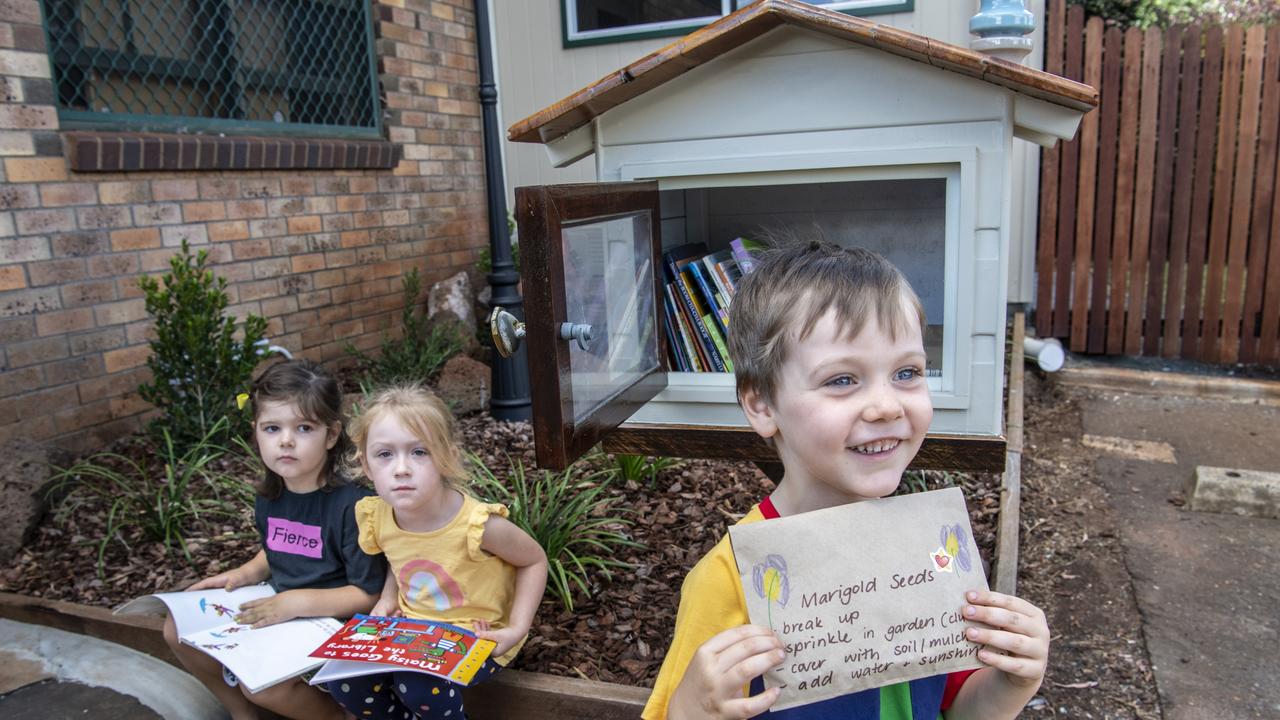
column 229, row 580
column 267, row 611
column 386, row 608
column 720, row 668
column 1016, row 627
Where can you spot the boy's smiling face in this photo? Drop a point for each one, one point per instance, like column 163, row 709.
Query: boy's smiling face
column 849, row 413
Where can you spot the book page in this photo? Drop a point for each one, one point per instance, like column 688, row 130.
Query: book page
column 394, row 644
column 878, row 602
column 198, row 609
column 262, row 657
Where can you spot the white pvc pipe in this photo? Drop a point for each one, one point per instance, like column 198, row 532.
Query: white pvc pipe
column 1048, row 353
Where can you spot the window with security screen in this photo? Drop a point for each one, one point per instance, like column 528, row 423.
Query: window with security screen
column 226, row 66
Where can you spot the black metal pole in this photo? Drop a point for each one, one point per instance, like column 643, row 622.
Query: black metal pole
column 510, row 398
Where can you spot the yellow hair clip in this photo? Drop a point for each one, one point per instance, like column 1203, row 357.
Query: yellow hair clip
column 241, row 400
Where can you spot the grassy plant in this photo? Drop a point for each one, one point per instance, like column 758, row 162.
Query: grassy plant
column 564, row 512
column 639, row 468
column 915, row 481
column 164, row 498
column 201, row 357
column 416, row 355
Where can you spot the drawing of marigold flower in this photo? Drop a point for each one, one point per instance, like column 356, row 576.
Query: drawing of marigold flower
column 955, row 542
column 769, row 579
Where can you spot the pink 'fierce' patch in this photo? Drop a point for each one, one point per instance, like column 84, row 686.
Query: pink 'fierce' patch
column 294, row 538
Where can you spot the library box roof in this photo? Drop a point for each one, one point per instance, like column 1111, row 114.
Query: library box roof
column 732, row 31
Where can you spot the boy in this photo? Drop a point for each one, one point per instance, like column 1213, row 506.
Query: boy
column 828, row 351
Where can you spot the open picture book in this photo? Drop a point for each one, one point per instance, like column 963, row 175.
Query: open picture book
column 369, row 644
column 259, row 658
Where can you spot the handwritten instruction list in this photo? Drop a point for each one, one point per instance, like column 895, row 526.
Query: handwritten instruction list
column 862, row 595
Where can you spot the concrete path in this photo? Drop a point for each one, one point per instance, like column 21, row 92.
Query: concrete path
column 1207, row 585
column 48, row 673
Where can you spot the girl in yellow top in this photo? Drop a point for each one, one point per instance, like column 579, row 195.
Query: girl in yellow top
column 451, row 558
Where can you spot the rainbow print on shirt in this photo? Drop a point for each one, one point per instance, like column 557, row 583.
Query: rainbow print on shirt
column 425, row 582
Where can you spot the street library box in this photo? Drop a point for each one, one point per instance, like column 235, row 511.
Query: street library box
column 779, row 116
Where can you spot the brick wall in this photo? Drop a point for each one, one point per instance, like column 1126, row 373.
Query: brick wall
column 319, row 253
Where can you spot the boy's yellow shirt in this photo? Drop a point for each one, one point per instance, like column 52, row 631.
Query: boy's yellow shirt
column 711, row 601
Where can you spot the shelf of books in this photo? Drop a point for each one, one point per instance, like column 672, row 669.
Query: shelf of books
column 698, row 288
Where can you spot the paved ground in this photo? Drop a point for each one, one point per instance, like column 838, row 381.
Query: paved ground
column 1206, row 584
column 51, row 674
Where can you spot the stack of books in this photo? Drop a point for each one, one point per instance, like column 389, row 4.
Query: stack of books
column 698, row 290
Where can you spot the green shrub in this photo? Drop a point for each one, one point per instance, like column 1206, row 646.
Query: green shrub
column 199, row 360
column 639, row 468
column 417, row 354
column 164, row 496
column 564, row 512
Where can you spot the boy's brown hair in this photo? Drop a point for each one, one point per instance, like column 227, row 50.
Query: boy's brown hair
column 793, row 286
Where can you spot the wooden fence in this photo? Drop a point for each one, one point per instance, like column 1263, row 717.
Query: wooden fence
column 1158, row 223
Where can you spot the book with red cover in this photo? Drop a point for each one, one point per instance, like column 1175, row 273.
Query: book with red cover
column 369, row 644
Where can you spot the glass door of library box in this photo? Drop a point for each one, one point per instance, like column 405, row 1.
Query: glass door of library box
column 590, row 276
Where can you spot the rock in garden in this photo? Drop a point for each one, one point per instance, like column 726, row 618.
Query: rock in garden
column 464, row 383
column 453, row 296
column 25, row 469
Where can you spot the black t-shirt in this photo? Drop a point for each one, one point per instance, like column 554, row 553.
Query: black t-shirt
column 311, row 540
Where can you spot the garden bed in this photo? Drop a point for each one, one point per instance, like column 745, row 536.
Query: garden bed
column 619, row 635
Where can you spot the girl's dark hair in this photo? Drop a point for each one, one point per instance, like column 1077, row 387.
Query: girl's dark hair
column 318, row 398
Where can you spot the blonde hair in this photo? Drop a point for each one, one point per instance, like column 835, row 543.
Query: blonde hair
column 422, row 413
column 793, row 287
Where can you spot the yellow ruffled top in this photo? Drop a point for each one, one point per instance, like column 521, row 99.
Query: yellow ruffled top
column 444, row 574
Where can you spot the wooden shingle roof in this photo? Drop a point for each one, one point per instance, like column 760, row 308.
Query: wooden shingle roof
column 731, row 31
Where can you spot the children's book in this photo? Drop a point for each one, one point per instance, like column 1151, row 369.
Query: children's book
column 369, row 644
column 715, row 268
column 744, row 251
column 259, row 658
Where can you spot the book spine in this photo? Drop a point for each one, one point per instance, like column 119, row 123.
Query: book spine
column 742, row 255
column 685, row 290
column 720, row 345
column 717, row 279
column 674, row 351
column 710, row 296
column 692, row 354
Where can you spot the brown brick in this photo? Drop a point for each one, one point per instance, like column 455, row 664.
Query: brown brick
column 350, row 203
column 80, row 244
column 273, row 267
column 89, row 293
column 127, row 287
column 174, row 190
column 29, row 302
column 124, row 193
column 135, row 239
column 203, row 211
column 73, row 370
column 230, row 230
column 139, row 332
column 327, row 279
column 19, row 197
column 308, row 263
column 24, row 249
column 36, row 222
column 268, row 227
column 121, row 311
column 42, row 350
column 100, row 388
column 12, row 278
column 106, row 216
column 305, row 224
column 57, row 272
column 96, row 341
column 310, row 300
column 16, row 329
column 239, row 209
column 157, row 214
column 81, row 417
column 65, row 321
column 251, row 249
column 116, row 360
column 38, row 169
column 175, row 235
column 112, row 265
column 128, row 404
column 275, row 307
column 62, row 194
column 298, row 186
column 25, row 380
